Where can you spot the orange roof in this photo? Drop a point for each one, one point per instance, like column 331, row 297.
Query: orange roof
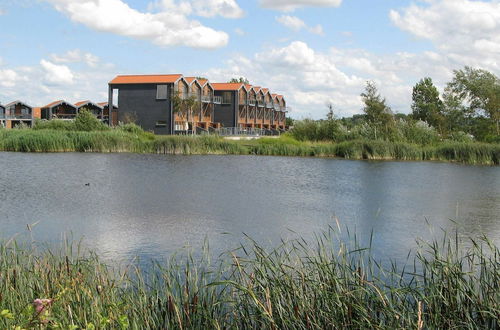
column 227, row 86
column 82, row 103
column 202, row 81
column 146, row 79
column 190, row 79
column 52, row 104
column 265, row 90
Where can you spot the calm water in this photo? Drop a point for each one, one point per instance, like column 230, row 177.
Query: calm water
column 152, row 205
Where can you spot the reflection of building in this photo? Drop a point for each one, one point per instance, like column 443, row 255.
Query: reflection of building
column 16, row 113
column 174, row 104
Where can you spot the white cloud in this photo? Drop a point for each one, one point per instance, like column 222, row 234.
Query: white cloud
column 309, row 79
column 56, row 74
column 75, row 56
column 165, row 28
column 290, row 5
column 291, row 22
column 239, row 32
column 296, row 24
column 204, row 8
column 468, row 32
column 9, row 78
column 47, row 81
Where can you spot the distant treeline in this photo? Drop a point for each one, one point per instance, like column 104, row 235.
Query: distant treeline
column 468, row 110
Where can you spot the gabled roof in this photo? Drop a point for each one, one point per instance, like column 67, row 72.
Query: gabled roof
column 256, row 88
column 87, row 102
column 1, row 106
column 105, row 104
column 228, row 86
column 192, row 80
column 203, row 82
column 17, row 102
column 146, row 79
column 56, row 103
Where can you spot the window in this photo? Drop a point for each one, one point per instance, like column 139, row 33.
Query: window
column 161, row 123
column 226, row 97
column 161, row 92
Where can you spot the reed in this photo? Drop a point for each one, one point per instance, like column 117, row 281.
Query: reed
column 323, row 283
column 130, row 138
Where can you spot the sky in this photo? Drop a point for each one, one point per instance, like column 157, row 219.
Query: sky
column 314, row 52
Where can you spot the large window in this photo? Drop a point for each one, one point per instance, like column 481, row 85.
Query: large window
column 161, row 92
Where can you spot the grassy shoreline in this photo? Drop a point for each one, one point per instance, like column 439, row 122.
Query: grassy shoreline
column 117, row 140
column 327, row 283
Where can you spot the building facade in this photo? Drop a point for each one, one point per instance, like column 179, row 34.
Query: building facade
column 16, row 113
column 174, row 104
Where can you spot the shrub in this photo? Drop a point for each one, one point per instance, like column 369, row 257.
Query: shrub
column 86, row 121
column 55, row 124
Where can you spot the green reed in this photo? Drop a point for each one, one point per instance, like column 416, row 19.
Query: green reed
column 323, row 283
column 133, row 139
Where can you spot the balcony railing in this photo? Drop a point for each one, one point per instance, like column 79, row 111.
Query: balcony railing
column 17, row 116
column 217, row 99
column 206, row 99
column 251, row 102
column 260, row 104
column 277, row 107
column 269, row 105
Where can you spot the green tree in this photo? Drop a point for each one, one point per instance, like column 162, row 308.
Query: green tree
column 480, row 90
column 86, row 121
column 241, row 80
column 378, row 113
column 427, row 106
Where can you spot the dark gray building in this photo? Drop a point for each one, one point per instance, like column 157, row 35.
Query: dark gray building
column 146, row 99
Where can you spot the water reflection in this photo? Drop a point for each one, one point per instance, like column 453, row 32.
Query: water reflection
column 151, row 205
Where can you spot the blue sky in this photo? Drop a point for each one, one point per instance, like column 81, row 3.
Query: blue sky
column 313, row 51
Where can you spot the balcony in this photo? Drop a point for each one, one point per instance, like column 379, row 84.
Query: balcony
column 269, row 105
column 17, row 116
column 217, row 100
column 277, row 107
column 251, row 102
column 206, row 99
column 260, row 103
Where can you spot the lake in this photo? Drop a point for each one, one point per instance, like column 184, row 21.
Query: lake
column 127, row 205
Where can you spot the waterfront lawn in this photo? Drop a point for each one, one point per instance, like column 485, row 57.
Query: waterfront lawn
column 322, row 284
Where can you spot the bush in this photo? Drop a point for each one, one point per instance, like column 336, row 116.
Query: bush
column 55, row 124
column 86, row 121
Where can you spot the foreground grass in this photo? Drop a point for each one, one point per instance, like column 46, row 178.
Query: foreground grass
column 325, row 284
column 118, row 140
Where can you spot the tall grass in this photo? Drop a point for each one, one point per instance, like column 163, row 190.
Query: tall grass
column 321, row 284
column 131, row 138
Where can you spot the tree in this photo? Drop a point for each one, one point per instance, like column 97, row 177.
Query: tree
column 376, row 109
column 480, row 90
column 330, row 115
column 86, row 121
column 241, row 80
column 427, row 106
column 378, row 113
